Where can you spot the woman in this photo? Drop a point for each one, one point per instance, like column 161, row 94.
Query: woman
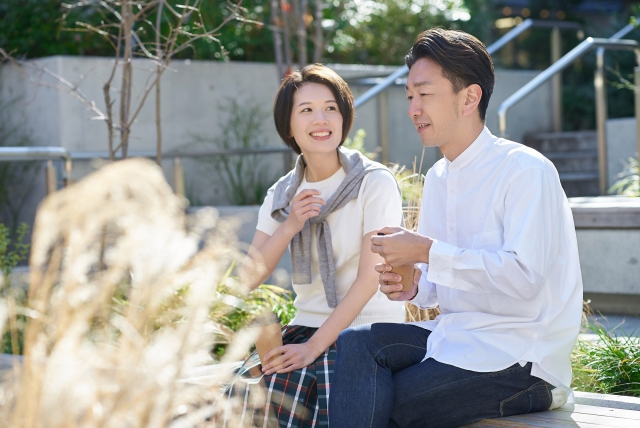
column 326, row 210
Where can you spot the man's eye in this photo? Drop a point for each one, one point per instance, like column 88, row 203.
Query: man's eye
column 409, row 98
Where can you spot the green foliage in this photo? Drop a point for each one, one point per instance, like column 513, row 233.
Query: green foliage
column 357, row 143
column 237, row 310
column 264, row 298
column 629, row 182
column 608, row 365
column 245, row 179
column 35, row 28
column 11, row 253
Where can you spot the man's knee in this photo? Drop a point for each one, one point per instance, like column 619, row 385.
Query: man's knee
column 353, row 338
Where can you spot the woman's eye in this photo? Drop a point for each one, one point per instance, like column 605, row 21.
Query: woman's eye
column 306, row 109
column 331, row 108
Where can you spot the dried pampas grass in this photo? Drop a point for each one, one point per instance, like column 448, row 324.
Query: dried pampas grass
column 107, row 341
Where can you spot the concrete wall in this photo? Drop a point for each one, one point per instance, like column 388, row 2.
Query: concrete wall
column 193, row 93
column 621, row 145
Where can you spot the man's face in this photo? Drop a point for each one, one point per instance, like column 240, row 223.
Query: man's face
column 433, row 106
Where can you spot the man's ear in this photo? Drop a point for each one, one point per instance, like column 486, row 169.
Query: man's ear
column 473, row 95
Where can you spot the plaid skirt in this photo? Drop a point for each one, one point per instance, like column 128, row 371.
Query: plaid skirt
column 297, row 399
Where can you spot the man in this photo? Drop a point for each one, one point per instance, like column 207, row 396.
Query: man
column 497, row 252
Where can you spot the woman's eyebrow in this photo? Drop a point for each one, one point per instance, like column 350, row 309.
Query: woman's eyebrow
column 307, row 102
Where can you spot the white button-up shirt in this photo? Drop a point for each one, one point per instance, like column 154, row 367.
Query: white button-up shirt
column 504, row 264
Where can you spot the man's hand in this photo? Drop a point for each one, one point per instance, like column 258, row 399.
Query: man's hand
column 389, row 283
column 400, row 246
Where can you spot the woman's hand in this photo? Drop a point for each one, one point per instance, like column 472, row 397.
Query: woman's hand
column 287, row 358
column 390, row 283
column 305, row 205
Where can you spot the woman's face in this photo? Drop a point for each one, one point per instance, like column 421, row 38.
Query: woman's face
column 316, row 122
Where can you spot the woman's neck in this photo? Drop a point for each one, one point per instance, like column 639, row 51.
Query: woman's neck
column 321, row 166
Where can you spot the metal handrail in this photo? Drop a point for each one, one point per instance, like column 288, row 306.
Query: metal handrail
column 9, row 154
column 493, row 48
column 174, row 154
column 564, row 62
column 14, row 154
column 601, row 106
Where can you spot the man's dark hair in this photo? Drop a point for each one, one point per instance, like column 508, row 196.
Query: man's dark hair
column 314, row 73
column 463, row 58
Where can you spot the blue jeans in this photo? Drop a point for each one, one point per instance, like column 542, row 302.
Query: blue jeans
column 380, row 381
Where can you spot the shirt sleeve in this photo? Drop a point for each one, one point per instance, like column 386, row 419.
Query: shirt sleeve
column 533, row 217
column 381, row 201
column 427, row 296
column 266, row 223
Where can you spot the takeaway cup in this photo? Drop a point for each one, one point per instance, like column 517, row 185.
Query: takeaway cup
column 269, row 335
column 405, row 271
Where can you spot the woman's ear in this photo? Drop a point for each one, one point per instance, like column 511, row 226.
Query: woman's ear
column 473, row 95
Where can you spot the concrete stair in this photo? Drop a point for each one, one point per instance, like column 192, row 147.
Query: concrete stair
column 575, row 156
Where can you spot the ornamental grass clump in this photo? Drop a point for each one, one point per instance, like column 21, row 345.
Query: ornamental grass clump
column 607, row 364
column 119, row 308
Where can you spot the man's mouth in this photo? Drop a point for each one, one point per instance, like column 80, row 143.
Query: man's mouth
column 421, row 127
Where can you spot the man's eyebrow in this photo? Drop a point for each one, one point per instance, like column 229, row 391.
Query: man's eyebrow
column 418, row 84
column 307, row 102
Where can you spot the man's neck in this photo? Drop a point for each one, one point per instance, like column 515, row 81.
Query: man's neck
column 461, row 142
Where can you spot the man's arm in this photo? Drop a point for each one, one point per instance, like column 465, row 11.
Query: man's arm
column 534, row 216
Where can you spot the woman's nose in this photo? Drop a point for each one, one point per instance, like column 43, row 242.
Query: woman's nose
column 319, row 118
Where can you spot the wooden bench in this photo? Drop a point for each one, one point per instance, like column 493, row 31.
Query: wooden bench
column 589, row 411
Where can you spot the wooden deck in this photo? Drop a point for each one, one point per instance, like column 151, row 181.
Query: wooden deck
column 603, row 411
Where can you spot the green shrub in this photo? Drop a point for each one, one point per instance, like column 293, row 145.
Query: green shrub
column 13, row 252
column 610, row 364
column 629, row 182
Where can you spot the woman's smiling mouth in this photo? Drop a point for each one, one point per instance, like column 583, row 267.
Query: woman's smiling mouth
column 320, row 135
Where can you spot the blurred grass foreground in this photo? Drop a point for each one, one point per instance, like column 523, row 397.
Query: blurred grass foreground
column 124, row 303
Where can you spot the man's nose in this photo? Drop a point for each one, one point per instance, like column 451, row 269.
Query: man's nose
column 414, row 108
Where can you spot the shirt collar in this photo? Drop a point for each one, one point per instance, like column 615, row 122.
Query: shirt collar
column 483, row 140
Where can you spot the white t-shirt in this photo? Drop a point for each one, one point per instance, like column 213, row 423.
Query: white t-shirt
column 378, row 205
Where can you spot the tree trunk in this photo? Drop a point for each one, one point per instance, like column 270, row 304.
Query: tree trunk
column 277, row 38
column 125, row 94
column 287, row 37
column 300, row 7
column 160, row 56
column 318, row 41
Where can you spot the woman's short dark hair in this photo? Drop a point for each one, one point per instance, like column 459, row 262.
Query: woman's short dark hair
column 463, row 58
column 314, row 73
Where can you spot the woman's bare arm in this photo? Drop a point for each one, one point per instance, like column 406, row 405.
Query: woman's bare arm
column 291, row 357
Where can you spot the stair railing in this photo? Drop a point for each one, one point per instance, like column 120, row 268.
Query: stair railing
column 577, row 52
column 602, row 113
column 491, row 49
column 555, row 27
column 16, row 154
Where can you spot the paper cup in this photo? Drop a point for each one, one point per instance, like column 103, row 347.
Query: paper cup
column 270, row 337
column 406, row 272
